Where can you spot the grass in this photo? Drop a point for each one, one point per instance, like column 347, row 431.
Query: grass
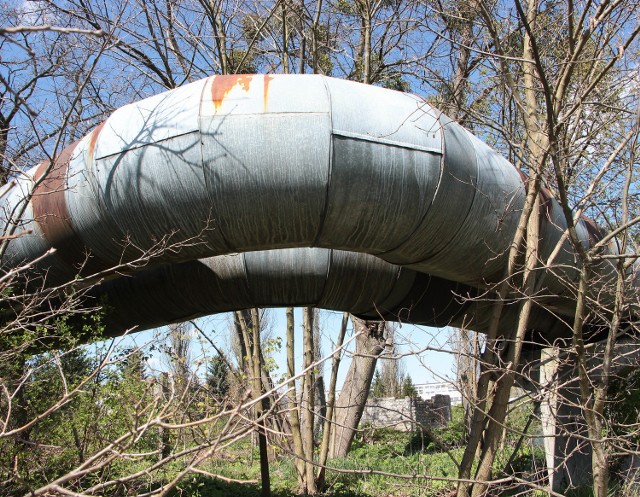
column 377, row 455
column 384, row 451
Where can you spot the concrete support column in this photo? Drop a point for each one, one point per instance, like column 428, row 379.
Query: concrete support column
column 567, row 451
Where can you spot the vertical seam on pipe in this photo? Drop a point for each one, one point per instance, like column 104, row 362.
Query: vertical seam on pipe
column 247, row 280
column 325, row 207
column 51, row 213
column 376, row 305
column 393, row 288
column 437, row 189
column 364, row 278
column 207, row 183
column 326, row 277
column 91, row 171
column 471, row 204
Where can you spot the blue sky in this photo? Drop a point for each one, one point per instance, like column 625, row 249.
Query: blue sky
column 425, row 351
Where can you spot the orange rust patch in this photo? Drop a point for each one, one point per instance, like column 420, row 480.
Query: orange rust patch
column 222, row 85
column 265, row 93
column 94, row 139
column 594, row 231
column 523, row 176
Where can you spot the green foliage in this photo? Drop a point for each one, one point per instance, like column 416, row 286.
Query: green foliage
column 271, row 346
column 323, row 56
column 86, row 406
column 394, row 81
column 76, row 404
column 55, row 388
column 242, row 62
column 218, row 377
column 134, row 363
column 378, row 386
column 389, row 451
column 453, row 435
column 623, row 408
column 408, row 389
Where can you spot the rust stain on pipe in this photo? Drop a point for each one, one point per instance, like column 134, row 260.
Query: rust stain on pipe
column 595, row 233
column 93, row 140
column 52, row 215
column 222, row 85
column 265, row 91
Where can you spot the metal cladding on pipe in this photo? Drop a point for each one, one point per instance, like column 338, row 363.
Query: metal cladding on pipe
column 241, row 163
column 331, row 279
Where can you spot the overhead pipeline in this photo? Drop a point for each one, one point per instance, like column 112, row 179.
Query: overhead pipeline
column 251, row 163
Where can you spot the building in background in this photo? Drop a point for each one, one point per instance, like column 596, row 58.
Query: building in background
column 428, row 390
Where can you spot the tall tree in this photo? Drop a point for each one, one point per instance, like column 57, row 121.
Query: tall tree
column 179, row 357
column 248, row 323
column 218, row 377
column 550, row 100
column 370, row 343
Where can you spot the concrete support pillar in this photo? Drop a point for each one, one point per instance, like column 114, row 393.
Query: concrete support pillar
column 567, row 450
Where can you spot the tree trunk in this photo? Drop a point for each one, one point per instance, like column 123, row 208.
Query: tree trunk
column 328, row 421
column 4, row 162
column 307, row 403
column 249, row 324
column 296, row 433
column 370, row 343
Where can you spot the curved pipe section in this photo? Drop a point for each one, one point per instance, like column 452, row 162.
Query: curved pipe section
column 330, row 279
column 235, row 164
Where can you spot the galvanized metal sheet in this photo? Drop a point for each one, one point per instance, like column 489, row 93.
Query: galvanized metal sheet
column 152, row 120
column 267, row 178
column 92, row 219
column 359, row 282
column 253, row 94
column 378, row 194
column 371, row 113
column 157, row 192
column 479, row 249
column 456, row 189
column 287, row 276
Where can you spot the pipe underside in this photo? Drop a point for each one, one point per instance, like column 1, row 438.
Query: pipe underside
column 328, row 192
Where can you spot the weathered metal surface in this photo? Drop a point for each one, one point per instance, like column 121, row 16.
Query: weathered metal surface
column 331, row 279
column 251, row 163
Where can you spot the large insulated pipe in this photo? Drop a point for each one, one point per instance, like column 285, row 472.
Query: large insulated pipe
column 361, row 284
column 234, row 164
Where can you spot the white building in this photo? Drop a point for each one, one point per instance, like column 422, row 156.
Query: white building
column 427, row 390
